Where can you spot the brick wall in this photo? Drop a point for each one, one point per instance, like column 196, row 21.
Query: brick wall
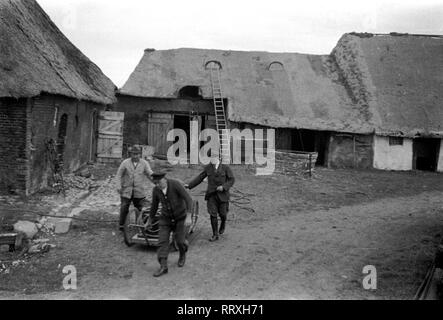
column 25, row 126
column 13, row 163
column 45, row 117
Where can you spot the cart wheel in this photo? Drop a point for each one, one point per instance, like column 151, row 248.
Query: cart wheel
column 131, row 227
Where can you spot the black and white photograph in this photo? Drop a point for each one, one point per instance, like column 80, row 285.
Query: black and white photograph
column 239, row 152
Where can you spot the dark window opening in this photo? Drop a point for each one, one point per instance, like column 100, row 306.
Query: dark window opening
column 395, row 141
column 189, row 92
column 94, row 135
column 425, row 153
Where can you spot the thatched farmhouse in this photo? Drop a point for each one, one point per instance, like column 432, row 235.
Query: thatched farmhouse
column 400, row 79
column 50, row 94
column 375, row 101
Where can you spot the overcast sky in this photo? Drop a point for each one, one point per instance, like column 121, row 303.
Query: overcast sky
column 113, row 34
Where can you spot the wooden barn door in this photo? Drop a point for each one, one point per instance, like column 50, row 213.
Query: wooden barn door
column 159, row 124
column 110, row 136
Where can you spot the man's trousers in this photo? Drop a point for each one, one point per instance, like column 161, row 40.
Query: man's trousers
column 166, row 227
column 124, row 207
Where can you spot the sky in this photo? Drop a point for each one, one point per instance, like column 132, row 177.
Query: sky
column 114, row 33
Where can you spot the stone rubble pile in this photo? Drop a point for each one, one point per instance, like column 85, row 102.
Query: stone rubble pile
column 32, row 233
column 72, row 181
column 6, row 266
column 104, row 196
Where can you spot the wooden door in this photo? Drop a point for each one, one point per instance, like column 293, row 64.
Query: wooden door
column 110, row 136
column 159, row 124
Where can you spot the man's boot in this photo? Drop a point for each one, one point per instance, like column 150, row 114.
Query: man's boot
column 222, row 226
column 163, row 267
column 182, row 259
column 214, row 225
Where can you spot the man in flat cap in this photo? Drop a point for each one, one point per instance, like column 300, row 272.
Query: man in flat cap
column 220, row 180
column 132, row 182
column 176, row 203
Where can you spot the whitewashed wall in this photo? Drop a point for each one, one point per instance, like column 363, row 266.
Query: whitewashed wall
column 392, row 157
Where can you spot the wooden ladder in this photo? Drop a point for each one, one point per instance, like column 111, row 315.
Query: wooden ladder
column 220, row 116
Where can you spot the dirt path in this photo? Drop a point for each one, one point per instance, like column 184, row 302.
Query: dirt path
column 295, row 254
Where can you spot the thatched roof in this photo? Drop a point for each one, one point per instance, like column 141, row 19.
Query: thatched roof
column 36, row 57
column 307, row 93
column 399, row 78
column 388, row 84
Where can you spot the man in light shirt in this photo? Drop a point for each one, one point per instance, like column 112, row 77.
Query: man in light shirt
column 132, row 177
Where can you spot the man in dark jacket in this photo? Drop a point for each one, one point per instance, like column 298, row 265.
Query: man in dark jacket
column 176, row 203
column 220, row 180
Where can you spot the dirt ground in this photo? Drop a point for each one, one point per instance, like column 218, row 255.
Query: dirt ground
column 309, row 238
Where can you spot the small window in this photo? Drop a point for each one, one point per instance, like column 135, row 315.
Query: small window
column 395, row 141
column 213, row 64
column 276, row 66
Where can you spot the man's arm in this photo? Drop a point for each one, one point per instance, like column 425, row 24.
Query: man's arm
column 119, row 175
column 185, row 195
column 147, row 170
column 197, row 180
column 230, row 179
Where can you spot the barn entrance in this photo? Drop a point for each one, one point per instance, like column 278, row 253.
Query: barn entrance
column 311, row 141
column 425, row 154
column 183, row 122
